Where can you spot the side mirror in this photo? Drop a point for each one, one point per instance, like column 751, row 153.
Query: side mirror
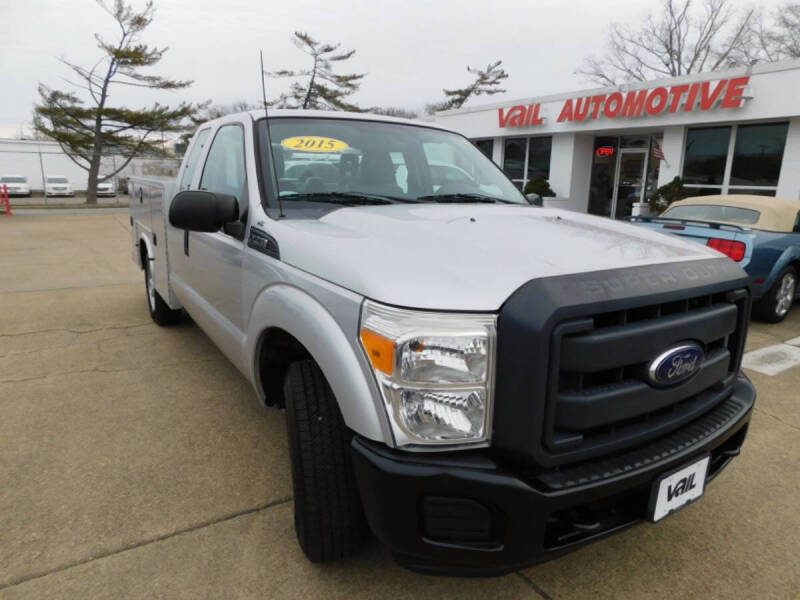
column 534, row 199
column 197, row 210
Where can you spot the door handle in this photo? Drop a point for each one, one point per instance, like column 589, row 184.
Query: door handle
column 186, row 242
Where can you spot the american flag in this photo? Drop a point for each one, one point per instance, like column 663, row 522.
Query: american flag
column 657, row 151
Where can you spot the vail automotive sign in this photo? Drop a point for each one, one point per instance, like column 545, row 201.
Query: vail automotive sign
column 684, row 97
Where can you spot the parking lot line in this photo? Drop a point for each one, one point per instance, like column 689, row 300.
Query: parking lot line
column 772, row 359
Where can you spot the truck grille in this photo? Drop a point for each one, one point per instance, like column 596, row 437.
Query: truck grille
column 599, row 399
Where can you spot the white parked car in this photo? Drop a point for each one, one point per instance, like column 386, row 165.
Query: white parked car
column 17, row 185
column 106, row 188
column 57, row 185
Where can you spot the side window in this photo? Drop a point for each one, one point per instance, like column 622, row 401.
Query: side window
column 191, row 160
column 796, row 228
column 224, row 171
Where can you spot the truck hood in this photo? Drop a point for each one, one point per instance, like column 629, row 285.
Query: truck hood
column 466, row 257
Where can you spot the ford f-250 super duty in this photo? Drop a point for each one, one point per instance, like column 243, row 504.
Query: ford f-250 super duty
column 481, row 383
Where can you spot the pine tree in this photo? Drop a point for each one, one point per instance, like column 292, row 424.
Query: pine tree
column 487, row 81
column 324, row 89
column 89, row 127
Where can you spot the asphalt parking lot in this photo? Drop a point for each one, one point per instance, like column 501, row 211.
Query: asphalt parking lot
column 136, row 463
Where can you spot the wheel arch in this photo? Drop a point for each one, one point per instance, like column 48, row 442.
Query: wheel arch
column 144, row 246
column 790, row 257
column 285, row 318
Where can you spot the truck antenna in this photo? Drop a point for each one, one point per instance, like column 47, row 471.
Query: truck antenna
column 269, row 137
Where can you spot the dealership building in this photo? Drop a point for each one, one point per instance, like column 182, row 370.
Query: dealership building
column 602, row 150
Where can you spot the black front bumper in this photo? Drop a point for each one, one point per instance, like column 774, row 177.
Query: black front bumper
column 467, row 513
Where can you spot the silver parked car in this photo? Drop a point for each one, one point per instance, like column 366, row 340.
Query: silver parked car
column 481, row 383
column 106, row 188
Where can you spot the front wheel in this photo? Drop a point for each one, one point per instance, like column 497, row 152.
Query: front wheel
column 159, row 310
column 328, row 517
column 777, row 302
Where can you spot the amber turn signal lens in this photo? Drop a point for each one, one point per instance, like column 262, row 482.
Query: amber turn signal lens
column 380, row 351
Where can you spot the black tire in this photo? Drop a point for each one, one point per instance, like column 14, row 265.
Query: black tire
column 776, row 304
column 328, row 517
column 159, row 310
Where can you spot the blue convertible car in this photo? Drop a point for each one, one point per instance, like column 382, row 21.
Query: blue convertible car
column 762, row 234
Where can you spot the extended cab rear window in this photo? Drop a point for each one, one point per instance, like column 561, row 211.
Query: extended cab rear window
column 708, row 212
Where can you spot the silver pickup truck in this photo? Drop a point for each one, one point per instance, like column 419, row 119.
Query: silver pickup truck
column 482, row 383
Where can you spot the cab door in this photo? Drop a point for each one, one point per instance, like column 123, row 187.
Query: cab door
column 178, row 238
column 214, row 260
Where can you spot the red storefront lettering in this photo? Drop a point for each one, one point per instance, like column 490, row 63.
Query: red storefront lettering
column 691, row 98
column 597, row 102
column 613, row 105
column 677, row 92
column 733, row 95
column 503, row 116
column 533, row 115
column 514, row 117
column 582, row 108
column 656, row 100
column 566, row 112
column 519, row 116
column 634, row 103
column 707, row 100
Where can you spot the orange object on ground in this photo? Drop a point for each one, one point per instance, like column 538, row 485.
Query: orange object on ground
column 4, row 200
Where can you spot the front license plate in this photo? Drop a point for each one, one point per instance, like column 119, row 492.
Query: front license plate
column 678, row 488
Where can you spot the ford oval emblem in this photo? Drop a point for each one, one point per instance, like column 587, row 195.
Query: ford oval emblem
column 676, row 364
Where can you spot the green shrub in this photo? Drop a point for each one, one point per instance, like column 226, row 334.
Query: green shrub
column 539, row 185
column 666, row 195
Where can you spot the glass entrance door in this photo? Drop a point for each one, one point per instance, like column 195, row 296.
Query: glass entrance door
column 630, row 179
column 624, row 170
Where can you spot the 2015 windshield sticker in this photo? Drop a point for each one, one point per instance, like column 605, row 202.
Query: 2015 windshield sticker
column 313, row 143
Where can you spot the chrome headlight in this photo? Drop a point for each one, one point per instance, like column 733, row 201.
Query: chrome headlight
column 435, row 372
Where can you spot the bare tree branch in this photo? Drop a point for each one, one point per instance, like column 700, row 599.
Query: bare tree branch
column 681, row 38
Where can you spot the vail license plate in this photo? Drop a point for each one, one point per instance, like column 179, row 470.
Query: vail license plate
column 678, row 488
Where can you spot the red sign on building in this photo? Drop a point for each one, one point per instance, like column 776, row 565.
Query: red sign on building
column 685, row 97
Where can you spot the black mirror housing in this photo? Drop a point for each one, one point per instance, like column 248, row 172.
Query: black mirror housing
column 198, row 210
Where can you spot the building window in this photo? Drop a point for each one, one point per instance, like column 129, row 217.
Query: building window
column 485, row 146
column 736, row 159
column 758, row 154
column 539, row 157
column 527, row 158
column 751, row 191
column 706, row 155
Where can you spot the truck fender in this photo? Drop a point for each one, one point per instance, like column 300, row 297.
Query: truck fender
column 144, row 240
column 303, row 317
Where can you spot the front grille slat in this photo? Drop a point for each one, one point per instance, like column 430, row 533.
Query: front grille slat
column 636, row 342
column 602, row 400
column 604, row 405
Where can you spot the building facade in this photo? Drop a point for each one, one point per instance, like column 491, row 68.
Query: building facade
column 602, row 150
column 37, row 160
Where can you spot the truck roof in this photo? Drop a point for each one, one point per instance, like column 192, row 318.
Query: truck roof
column 336, row 114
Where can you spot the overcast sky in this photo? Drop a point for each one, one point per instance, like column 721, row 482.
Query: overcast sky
column 410, row 49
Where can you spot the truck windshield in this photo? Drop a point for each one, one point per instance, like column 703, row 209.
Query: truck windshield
column 347, row 161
